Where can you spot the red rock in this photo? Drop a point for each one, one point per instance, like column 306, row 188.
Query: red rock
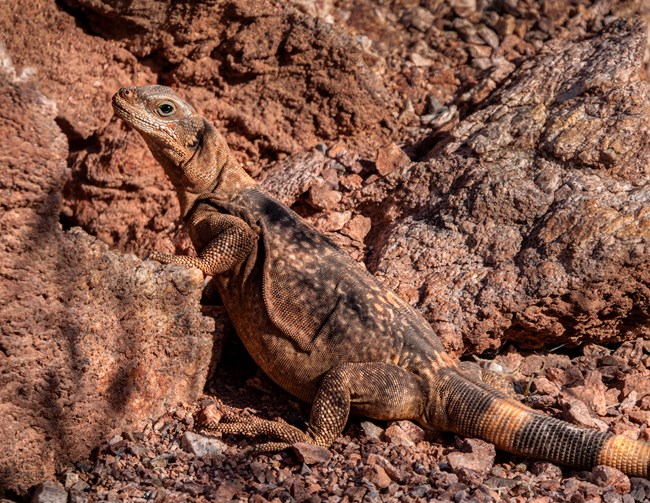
column 532, row 288
column 210, row 414
column 622, row 426
column 389, row 158
column 311, row 454
column 259, row 471
column 336, row 150
column 592, row 392
column 201, row 445
column 377, row 475
column 629, row 401
column 50, row 492
column 575, row 411
column 636, row 382
column 606, row 476
column 322, row 197
column 334, row 221
column 330, row 175
column 227, row 490
column 351, row 182
column 505, row 26
column 414, row 432
column 358, row 227
column 94, row 342
column 397, row 436
column 488, row 36
column 393, row 472
column 371, row 429
column 313, row 488
column 640, row 416
column 290, row 178
column 546, row 387
column 478, row 456
column 531, row 365
column 546, row 470
column 468, row 476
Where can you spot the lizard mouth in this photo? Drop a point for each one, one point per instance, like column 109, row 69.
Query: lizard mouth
column 137, row 120
column 120, row 107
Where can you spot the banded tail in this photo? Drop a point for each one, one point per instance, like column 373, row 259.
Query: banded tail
column 476, row 410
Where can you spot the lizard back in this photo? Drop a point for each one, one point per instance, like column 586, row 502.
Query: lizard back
column 318, row 299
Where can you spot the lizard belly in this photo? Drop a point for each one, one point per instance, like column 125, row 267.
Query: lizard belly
column 296, row 372
column 342, row 339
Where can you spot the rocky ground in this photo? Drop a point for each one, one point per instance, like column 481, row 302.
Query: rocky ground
column 168, row 461
column 488, row 160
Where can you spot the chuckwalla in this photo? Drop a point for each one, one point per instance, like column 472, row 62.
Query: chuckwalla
column 319, row 324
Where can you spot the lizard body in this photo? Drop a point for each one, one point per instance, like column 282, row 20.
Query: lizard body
column 319, row 324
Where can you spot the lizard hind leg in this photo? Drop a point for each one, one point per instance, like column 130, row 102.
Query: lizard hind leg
column 489, row 373
column 377, row 390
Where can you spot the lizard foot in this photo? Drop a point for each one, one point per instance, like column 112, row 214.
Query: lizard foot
column 491, row 374
column 163, row 258
column 286, row 434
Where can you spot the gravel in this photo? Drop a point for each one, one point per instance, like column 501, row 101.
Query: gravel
column 373, row 461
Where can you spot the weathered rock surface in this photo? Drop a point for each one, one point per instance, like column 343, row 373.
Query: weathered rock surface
column 515, row 228
column 532, row 221
column 309, row 83
column 486, row 159
column 91, row 342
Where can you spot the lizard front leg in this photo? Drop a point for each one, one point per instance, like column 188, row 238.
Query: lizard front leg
column 377, row 390
column 228, row 240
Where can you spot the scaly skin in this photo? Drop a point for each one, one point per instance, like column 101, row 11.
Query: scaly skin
column 320, row 325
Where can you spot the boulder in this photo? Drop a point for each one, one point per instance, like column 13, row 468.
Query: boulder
column 92, row 342
column 530, row 221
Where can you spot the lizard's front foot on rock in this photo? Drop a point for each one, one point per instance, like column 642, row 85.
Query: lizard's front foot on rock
column 182, row 260
column 163, row 258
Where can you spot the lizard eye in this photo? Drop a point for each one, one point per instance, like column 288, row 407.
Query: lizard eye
column 165, row 109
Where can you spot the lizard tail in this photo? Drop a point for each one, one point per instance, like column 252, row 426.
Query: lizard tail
column 476, row 410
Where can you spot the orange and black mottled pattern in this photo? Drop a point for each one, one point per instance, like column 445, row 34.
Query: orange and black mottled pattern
column 319, row 324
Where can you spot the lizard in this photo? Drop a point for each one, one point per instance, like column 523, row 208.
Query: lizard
column 319, row 324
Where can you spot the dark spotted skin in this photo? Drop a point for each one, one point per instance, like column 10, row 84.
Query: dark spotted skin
column 320, row 325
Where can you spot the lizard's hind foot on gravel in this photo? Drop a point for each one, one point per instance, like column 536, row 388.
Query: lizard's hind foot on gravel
column 269, row 447
column 286, row 434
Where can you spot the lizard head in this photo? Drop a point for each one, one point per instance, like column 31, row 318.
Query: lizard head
column 190, row 150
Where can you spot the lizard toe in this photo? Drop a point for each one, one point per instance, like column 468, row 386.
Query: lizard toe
column 269, row 447
column 163, row 258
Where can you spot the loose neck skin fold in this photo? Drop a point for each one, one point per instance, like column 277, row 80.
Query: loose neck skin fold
column 212, row 168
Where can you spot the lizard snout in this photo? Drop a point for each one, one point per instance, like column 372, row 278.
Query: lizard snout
column 126, row 92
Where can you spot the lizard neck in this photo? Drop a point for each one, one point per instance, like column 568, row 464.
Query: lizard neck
column 231, row 180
